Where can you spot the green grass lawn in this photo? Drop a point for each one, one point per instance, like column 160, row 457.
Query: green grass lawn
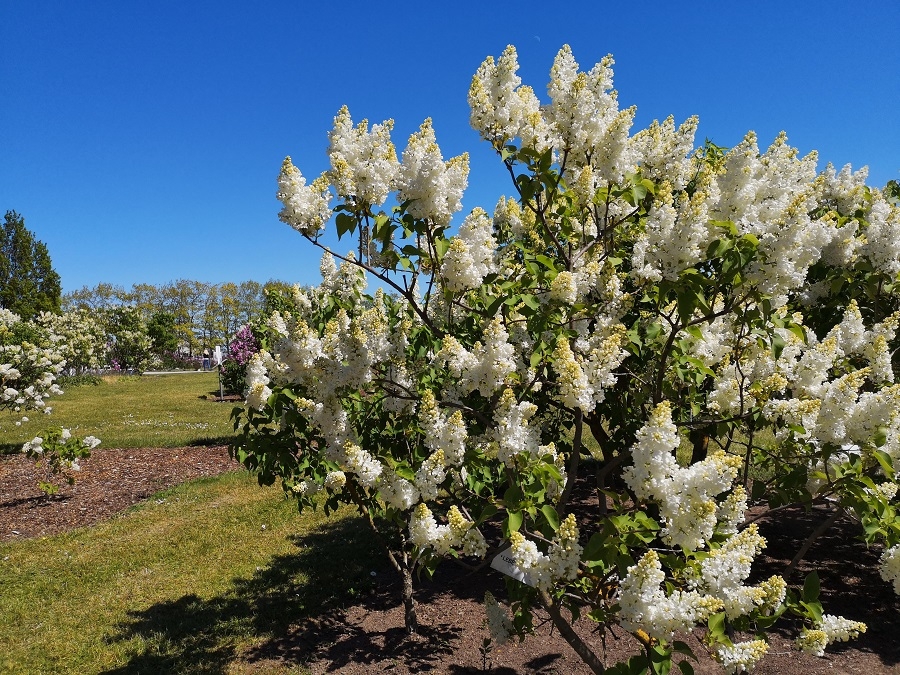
column 184, row 583
column 133, row 412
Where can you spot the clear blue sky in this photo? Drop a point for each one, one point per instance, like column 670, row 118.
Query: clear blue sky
column 141, row 140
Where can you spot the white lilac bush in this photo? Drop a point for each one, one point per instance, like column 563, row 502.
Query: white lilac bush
column 634, row 291
column 82, row 338
column 57, row 455
column 31, row 357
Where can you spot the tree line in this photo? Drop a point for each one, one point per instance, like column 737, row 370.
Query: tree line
column 138, row 326
column 183, row 316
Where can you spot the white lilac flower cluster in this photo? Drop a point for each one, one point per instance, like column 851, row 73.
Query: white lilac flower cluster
column 645, row 605
column 459, row 533
column 718, row 585
column 560, row 563
column 676, row 237
column 664, row 150
column 586, row 374
column 513, row 434
column 830, row 629
column 724, row 571
column 887, row 490
column 890, row 567
column 430, row 476
column 501, row 109
column 444, row 433
column 364, row 171
column 564, row 288
column 691, row 514
column 34, row 446
column 686, row 495
column 584, row 116
column 37, row 447
column 363, row 162
column 741, row 656
column 306, row 207
column 470, row 257
column 433, row 187
column 341, row 358
column 335, row 480
column 499, row 624
column 837, row 407
column 484, row 368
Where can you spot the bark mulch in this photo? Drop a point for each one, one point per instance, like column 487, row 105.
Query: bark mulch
column 110, row 481
column 368, row 637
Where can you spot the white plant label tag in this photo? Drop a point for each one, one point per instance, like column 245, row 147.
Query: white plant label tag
column 504, row 563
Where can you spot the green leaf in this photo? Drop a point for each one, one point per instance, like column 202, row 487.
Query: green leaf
column 814, row 609
column 639, row 192
column 717, row 248
column 405, row 471
column 595, row 547
column 716, row 625
column 699, row 365
column 494, row 304
column 345, row 223
column 660, row 660
column 513, row 496
column 515, row 521
column 778, row 345
column 885, row 460
column 551, row 515
column 798, row 331
column 694, row 331
column 811, row 587
column 441, row 246
column 489, row 511
column 683, row 648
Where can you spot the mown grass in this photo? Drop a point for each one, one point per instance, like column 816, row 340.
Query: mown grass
column 185, row 583
column 132, row 412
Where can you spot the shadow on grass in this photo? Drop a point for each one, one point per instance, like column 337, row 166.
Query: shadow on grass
column 291, row 609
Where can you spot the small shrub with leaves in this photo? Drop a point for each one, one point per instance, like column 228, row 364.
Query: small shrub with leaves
column 57, row 455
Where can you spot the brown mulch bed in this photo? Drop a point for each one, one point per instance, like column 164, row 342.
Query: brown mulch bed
column 368, row 637
column 110, row 481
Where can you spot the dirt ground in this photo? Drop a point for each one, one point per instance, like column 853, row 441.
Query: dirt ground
column 368, row 637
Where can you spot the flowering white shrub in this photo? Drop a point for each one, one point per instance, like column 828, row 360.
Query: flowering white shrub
column 81, row 338
column 31, row 357
column 636, row 294
column 57, row 455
